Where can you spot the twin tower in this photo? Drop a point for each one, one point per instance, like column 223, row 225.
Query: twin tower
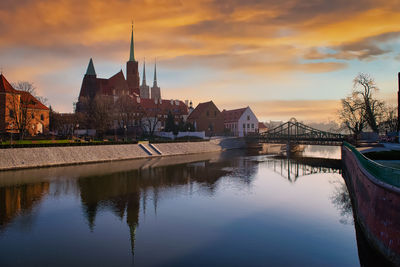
column 117, row 85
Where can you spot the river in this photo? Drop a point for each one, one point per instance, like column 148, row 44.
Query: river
column 221, row 209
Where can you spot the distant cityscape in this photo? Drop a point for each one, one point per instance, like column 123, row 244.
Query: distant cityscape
column 120, row 105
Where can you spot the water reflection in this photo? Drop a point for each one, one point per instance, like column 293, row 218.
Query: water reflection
column 293, row 168
column 20, row 201
column 231, row 208
column 341, row 200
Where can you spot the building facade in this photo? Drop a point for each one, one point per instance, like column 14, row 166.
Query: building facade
column 20, row 111
column 240, row 122
column 139, row 105
column 207, row 117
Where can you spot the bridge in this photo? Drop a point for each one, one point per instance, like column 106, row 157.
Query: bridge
column 294, row 132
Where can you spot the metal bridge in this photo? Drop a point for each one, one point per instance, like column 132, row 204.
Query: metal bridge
column 294, row 132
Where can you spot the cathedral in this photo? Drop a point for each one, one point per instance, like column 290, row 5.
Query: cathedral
column 147, row 102
column 117, row 85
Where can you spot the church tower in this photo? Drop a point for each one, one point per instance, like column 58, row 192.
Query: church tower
column 155, row 90
column 132, row 70
column 144, row 88
column 89, row 87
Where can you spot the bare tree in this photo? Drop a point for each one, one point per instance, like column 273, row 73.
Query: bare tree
column 125, row 111
column 97, row 113
column 364, row 85
column 21, row 114
column 389, row 119
column 151, row 119
column 352, row 114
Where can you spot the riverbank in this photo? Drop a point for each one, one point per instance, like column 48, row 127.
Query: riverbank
column 20, row 158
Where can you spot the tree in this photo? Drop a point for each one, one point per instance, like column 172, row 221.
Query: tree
column 21, row 114
column 389, row 119
column 125, row 111
column 364, row 86
column 170, row 122
column 151, row 118
column 352, row 114
column 97, row 113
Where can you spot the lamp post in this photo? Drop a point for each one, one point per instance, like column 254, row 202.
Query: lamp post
column 125, row 131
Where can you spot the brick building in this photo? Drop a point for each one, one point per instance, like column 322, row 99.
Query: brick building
column 144, row 106
column 207, row 117
column 21, row 110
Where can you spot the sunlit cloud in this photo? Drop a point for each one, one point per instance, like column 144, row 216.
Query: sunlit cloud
column 232, row 45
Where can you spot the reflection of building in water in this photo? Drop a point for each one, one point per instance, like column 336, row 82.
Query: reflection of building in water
column 292, row 169
column 123, row 192
column 21, row 199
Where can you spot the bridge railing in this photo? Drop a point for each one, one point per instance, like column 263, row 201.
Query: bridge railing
column 383, row 173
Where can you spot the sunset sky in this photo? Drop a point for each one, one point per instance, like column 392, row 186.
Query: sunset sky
column 284, row 59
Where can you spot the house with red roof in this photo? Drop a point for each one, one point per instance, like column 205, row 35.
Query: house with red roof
column 207, row 117
column 20, row 111
column 240, row 122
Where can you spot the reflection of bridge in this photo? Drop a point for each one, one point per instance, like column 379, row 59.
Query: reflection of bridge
column 293, row 132
column 293, row 168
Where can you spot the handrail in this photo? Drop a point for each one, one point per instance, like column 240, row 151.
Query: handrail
column 383, row 173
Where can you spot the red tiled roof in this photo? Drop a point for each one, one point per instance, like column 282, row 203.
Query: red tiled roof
column 150, row 105
column 116, row 82
column 261, row 125
column 26, row 97
column 31, row 101
column 5, row 86
column 201, row 107
column 232, row 115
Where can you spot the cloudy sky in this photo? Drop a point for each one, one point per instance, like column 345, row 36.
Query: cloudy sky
column 288, row 58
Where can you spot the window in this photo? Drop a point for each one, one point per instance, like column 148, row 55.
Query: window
column 215, row 113
column 208, row 113
column 252, row 125
column 248, row 126
column 244, row 126
column 11, row 113
column 248, row 117
column 32, row 116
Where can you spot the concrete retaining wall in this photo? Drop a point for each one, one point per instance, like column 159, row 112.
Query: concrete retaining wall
column 375, row 205
column 18, row 158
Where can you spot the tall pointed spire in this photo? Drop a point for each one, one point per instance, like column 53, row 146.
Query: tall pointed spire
column 155, row 74
column 132, row 50
column 144, row 73
column 90, row 69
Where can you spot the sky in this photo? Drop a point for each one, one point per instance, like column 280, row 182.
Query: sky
column 284, row 59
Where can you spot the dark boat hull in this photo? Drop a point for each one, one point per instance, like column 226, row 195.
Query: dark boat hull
column 376, row 206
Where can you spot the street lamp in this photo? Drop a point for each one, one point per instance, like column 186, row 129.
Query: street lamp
column 125, row 131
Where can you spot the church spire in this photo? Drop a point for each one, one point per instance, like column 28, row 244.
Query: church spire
column 90, row 69
column 132, row 50
column 155, row 74
column 144, row 73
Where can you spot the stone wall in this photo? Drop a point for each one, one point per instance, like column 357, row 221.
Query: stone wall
column 18, row 158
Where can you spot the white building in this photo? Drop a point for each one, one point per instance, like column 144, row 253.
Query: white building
column 240, row 122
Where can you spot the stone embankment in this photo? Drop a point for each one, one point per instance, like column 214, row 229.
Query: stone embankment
column 19, row 158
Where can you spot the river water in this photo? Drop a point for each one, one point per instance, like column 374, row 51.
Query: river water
column 219, row 209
